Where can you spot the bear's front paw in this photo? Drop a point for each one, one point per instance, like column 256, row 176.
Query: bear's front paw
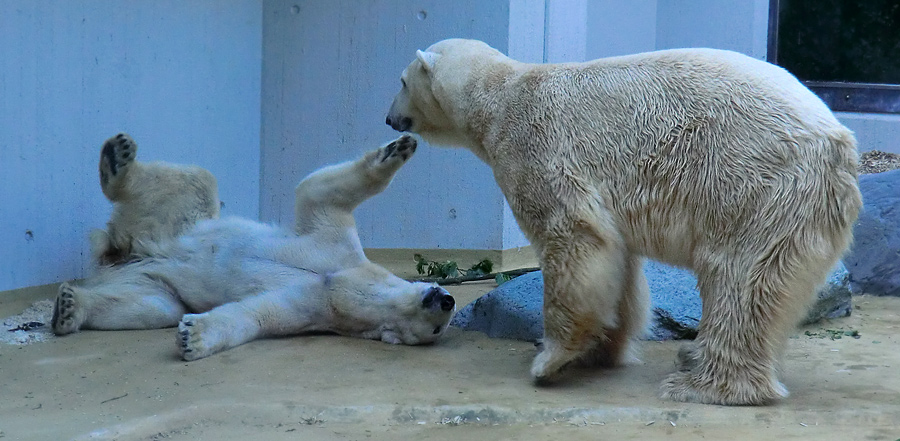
column 688, row 357
column 399, row 150
column 67, row 313
column 686, row 387
column 550, row 361
column 193, row 341
column 118, row 152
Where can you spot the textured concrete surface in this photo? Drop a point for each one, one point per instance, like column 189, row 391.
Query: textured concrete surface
column 129, row 385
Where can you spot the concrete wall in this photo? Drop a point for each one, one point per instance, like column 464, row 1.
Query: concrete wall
column 620, row 27
column 330, row 72
column 874, row 131
column 182, row 77
column 263, row 92
column 738, row 25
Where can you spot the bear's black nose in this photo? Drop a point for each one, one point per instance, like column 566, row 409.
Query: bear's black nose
column 401, row 124
column 447, row 303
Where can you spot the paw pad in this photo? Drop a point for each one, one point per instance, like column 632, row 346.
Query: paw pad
column 63, row 321
column 118, row 152
column 403, row 147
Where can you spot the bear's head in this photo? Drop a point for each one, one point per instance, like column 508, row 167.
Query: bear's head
column 434, row 98
column 418, row 319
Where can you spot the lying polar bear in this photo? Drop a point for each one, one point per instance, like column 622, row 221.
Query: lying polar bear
column 229, row 281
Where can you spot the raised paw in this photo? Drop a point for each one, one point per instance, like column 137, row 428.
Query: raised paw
column 67, row 313
column 194, row 339
column 399, row 150
column 118, row 152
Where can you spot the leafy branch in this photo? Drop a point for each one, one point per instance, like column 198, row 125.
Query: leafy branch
column 448, row 272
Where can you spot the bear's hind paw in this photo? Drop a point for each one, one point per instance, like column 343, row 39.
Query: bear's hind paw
column 190, row 338
column 67, row 317
column 118, row 152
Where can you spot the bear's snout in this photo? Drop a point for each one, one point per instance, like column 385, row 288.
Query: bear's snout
column 447, row 303
column 438, row 296
column 401, row 124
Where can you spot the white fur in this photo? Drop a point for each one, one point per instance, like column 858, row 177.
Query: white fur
column 702, row 158
column 227, row 281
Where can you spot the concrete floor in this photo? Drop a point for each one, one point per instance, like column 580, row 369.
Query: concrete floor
column 130, row 385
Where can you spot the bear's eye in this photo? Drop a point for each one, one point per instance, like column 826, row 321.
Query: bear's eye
column 403, row 83
column 437, row 330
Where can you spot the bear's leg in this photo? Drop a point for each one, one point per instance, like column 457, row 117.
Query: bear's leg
column 274, row 313
column 116, row 159
column 119, row 301
column 326, row 199
column 748, row 312
column 583, row 272
column 615, row 348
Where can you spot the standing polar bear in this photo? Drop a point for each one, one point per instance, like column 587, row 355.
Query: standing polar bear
column 706, row 159
column 225, row 282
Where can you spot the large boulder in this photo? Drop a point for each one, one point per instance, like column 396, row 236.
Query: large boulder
column 513, row 310
column 874, row 258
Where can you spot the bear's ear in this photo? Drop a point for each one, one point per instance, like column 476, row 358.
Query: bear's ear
column 428, row 59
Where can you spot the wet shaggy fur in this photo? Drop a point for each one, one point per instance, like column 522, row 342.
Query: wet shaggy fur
column 702, row 158
column 225, row 282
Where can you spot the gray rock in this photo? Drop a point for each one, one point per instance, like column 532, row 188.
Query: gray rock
column 513, row 310
column 675, row 300
column 834, row 298
column 874, row 259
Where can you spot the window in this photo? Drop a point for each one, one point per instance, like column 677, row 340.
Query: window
column 846, row 51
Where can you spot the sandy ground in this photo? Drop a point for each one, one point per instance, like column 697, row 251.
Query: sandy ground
column 130, row 385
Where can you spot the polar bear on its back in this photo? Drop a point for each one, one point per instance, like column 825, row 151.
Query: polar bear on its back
column 228, row 281
column 702, row 158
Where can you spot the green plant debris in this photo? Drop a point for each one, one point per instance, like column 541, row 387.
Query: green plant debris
column 833, row 334
column 480, row 268
column 450, row 268
column 448, row 272
column 432, row 268
column 502, row 278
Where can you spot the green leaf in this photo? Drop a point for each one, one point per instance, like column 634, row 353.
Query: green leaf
column 421, row 263
column 447, row 269
column 486, row 266
column 501, row 278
